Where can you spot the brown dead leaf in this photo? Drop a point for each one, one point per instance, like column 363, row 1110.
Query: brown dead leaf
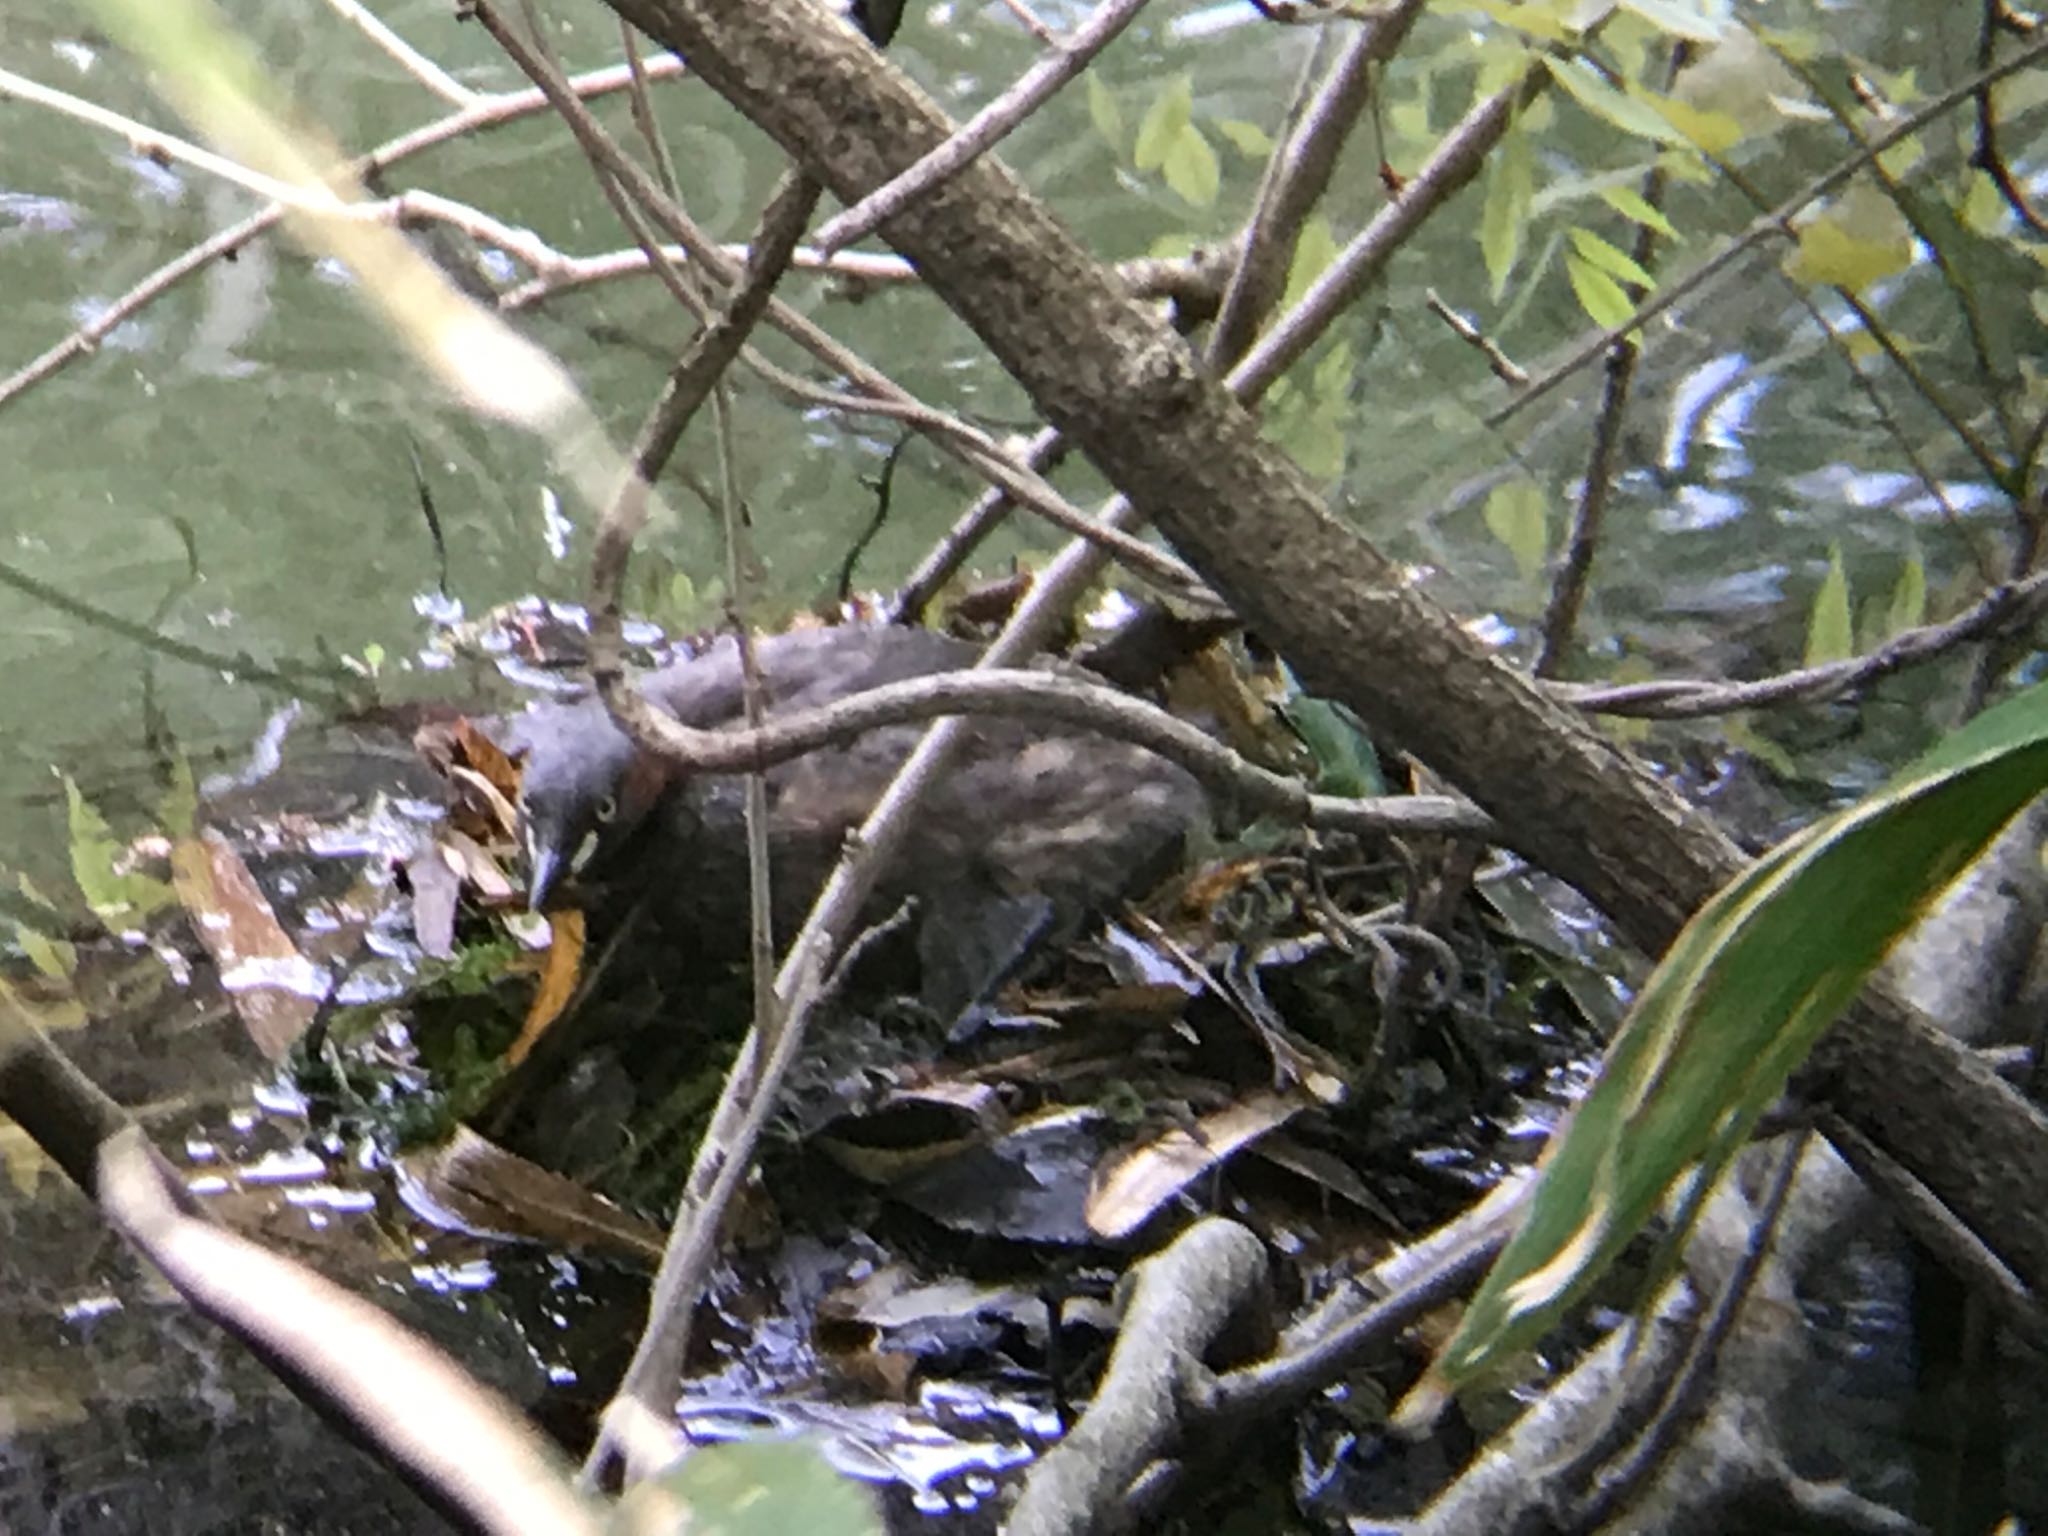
column 487, row 758
column 483, row 809
column 1129, row 1189
column 474, row 863
column 276, row 990
column 485, row 779
column 1212, row 685
column 475, row 1185
column 558, row 978
column 1216, row 882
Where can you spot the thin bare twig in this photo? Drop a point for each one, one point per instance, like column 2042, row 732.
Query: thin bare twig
column 1066, row 58
column 958, row 439
column 1455, row 161
column 643, row 112
column 1681, row 699
column 289, row 675
column 1503, row 367
column 1319, row 123
column 1302, row 166
column 1033, row 23
column 489, row 112
column 1061, row 700
column 407, row 57
column 730, row 1139
column 862, row 267
column 155, row 144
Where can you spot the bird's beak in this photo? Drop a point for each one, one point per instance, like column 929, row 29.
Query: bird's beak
column 546, row 863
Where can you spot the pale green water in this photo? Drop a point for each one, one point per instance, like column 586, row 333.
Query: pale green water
column 254, row 424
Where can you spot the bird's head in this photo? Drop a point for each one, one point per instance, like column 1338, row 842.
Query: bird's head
column 583, row 786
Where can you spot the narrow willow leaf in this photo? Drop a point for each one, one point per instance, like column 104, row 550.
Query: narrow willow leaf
column 1829, row 636
column 1510, row 186
column 1982, row 209
column 1899, row 160
column 1711, row 133
column 39, row 937
column 1737, row 1002
column 1248, row 139
column 178, row 810
column 1191, row 168
column 1740, row 733
column 1609, row 258
column 1311, row 431
column 1909, row 597
column 1314, row 250
column 1517, row 513
column 55, row 958
column 1104, row 112
column 1630, row 204
column 1616, row 108
column 1160, row 127
column 1602, row 298
column 1698, row 21
column 1537, row 21
column 1332, row 378
column 1860, row 240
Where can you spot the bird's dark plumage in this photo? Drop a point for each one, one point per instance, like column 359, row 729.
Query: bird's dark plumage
column 1028, row 834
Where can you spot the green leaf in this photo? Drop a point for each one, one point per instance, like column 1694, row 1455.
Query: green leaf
column 1311, row 430
column 1510, row 186
column 1737, row 1002
column 120, row 898
column 1249, row 139
column 1314, row 249
column 1191, row 168
column 1740, row 732
column 1609, row 258
column 1909, row 597
column 1857, row 241
column 1630, row 204
column 1600, row 296
column 1535, row 21
column 1332, row 378
column 1160, row 128
column 1408, row 117
column 1616, row 108
column 1828, row 634
column 1982, row 208
column 178, row 811
column 1104, row 112
column 1699, row 21
column 54, row 958
column 1517, row 513
column 1346, row 763
column 1711, row 133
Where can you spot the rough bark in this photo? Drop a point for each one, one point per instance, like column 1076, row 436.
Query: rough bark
column 1112, row 374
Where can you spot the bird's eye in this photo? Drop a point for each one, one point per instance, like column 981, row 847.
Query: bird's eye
column 607, row 808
